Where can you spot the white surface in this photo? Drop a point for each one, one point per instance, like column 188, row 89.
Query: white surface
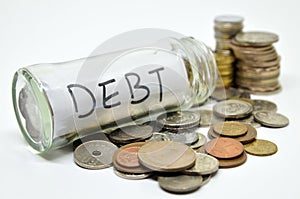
column 51, row 31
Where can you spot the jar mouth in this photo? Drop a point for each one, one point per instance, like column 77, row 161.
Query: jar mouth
column 33, row 111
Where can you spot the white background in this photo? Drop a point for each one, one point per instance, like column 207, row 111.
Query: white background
column 33, row 31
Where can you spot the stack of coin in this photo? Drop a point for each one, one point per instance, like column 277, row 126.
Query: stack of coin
column 226, row 27
column 228, row 151
column 258, row 64
column 180, row 126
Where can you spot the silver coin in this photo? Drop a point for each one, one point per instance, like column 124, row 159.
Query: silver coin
column 250, row 120
column 232, row 109
column 205, row 164
column 180, row 119
column 180, row 183
column 256, row 38
column 201, row 141
column 206, row 179
column 185, row 136
column 131, row 133
column 229, row 19
column 206, row 117
column 156, row 136
column 260, row 105
column 131, row 176
column 221, row 94
column 96, row 154
column 271, row 119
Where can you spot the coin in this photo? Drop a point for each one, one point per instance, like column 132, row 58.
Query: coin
column 205, row 179
column 156, row 136
column 271, row 119
column 265, row 105
column 132, row 176
column 185, row 136
column 261, row 148
column 229, row 19
column 180, row 183
column 201, row 141
column 232, row 109
column 256, row 38
column 223, row 94
column 130, row 134
column 125, row 159
column 234, row 162
column 179, row 119
column 201, row 149
column 206, row 117
column 250, row 120
column 95, row 154
column 96, row 136
column 205, row 164
column 230, row 128
column 224, row 148
column 166, row 156
column 244, row 139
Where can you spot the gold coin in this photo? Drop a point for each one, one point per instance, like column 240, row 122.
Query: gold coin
column 261, row 148
column 166, row 156
column 230, row 128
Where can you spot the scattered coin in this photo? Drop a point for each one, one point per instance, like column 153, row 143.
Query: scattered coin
column 224, row 148
column 96, row 136
column 180, row 183
column 250, row 120
column 131, row 176
column 201, row 141
column 271, row 119
column 156, row 136
column 177, row 120
column 205, row 164
column 166, row 156
column 230, row 128
column 125, row 159
column 95, row 154
column 205, row 179
column 130, row 134
column 232, row 109
column 261, row 148
column 234, row 162
column 206, row 117
column 265, row 105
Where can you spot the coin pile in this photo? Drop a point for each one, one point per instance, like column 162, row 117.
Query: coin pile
column 226, row 27
column 258, row 64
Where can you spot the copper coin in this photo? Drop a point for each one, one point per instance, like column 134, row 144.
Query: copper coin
column 166, row 156
column 224, row 148
column 125, row 159
column 233, row 162
column 230, row 128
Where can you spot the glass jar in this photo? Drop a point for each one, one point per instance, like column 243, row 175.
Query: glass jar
column 57, row 103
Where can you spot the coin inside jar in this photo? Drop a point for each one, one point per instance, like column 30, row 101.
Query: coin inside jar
column 224, row 148
column 96, row 154
column 177, row 120
column 166, row 156
column 130, row 134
